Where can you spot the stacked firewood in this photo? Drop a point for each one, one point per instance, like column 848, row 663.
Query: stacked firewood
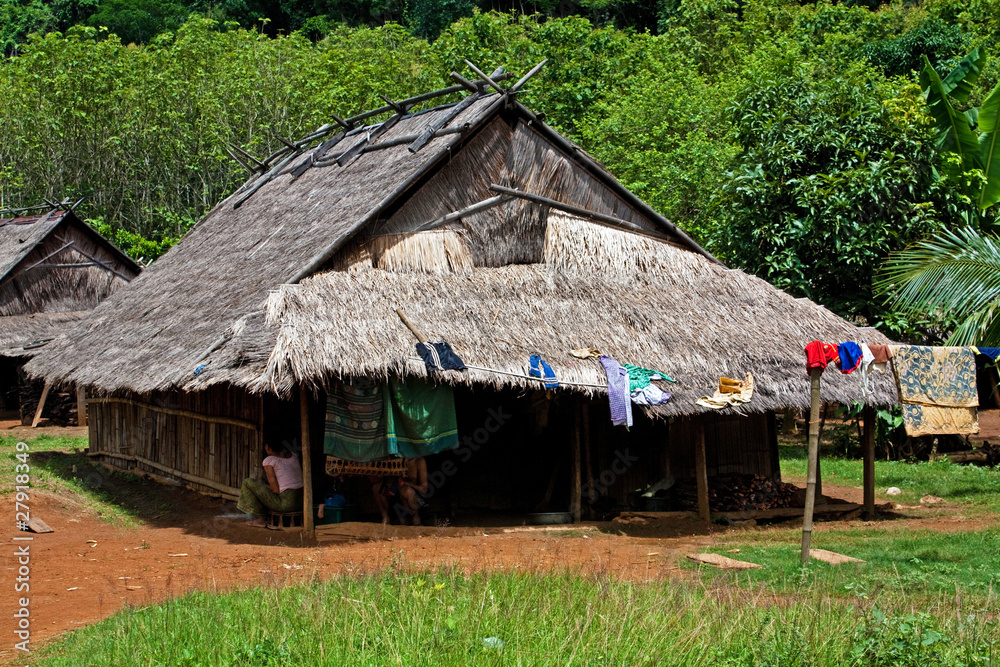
column 60, row 406
column 987, row 454
column 737, row 493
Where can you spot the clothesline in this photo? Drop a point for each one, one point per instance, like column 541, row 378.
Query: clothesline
column 523, row 377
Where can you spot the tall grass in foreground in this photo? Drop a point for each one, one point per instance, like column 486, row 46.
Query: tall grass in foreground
column 447, row 618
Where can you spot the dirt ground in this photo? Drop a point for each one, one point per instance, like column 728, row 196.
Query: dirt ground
column 88, row 568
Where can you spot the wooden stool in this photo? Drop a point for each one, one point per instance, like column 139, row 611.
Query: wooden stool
column 282, row 520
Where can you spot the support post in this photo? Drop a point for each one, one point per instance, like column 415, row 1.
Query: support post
column 868, row 444
column 308, row 526
column 81, row 405
column 701, row 469
column 575, row 490
column 588, row 467
column 814, row 419
column 41, row 404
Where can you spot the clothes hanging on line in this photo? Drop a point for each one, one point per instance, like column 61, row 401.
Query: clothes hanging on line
column 537, row 368
column 366, row 421
column 420, row 418
column 819, row 354
column 439, row 357
column 619, row 398
column 992, row 352
column 850, row 356
column 355, row 423
column 639, row 377
column 586, row 353
column 882, row 354
column 937, row 389
column 650, row 395
column 730, row 393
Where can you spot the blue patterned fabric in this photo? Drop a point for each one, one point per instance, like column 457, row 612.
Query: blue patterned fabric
column 618, row 393
column 537, row 368
column 937, row 388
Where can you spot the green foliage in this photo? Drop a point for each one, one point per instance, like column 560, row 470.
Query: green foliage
column 138, row 21
column 932, row 39
column 835, row 172
column 952, row 272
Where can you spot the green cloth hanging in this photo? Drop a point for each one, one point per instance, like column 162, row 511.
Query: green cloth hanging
column 420, row 418
column 638, row 377
column 355, row 426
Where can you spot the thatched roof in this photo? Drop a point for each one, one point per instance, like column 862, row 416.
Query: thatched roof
column 52, row 266
column 498, row 284
column 638, row 300
column 20, row 235
column 25, row 335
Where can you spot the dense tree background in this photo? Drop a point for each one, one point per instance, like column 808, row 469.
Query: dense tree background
column 792, row 139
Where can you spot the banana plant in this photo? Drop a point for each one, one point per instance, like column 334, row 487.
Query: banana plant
column 973, row 134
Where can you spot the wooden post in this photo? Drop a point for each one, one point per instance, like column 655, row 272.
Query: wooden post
column 41, row 404
column 701, row 469
column 575, row 491
column 308, row 526
column 868, row 444
column 81, row 405
column 585, row 426
column 814, row 419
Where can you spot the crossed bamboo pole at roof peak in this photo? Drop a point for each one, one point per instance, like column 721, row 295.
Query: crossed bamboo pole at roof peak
column 354, row 124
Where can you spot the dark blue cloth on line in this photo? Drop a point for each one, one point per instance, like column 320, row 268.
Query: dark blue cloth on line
column 991, row 352
column 439, row 357
column 537, row 368
column 850, row 356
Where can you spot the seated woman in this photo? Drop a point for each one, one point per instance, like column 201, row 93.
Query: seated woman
column 282, row 492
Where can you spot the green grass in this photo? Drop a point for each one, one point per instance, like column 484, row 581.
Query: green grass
column 450, row 619
column 58, row 464
column 924, row 567
column 976, row 486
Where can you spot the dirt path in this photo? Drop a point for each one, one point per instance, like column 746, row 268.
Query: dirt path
column 88, row 568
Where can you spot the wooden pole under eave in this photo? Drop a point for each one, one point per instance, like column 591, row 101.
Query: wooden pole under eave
column 701, row 469
column 81, row 405
column 868, row 454
column 41, row 404
column 576, row 491
column 308, row 525
column 814, row 418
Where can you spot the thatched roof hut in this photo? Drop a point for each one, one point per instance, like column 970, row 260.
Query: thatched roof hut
column 532, row 280
column 488, row 230
column 53, row 269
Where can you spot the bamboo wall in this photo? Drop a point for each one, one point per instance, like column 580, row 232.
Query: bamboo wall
column 211, row 440
column 734, row 445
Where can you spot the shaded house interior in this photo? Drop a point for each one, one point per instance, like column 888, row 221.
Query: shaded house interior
column 53, row 269
column 488, row 230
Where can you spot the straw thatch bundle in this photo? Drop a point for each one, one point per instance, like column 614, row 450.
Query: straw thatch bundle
column 435, row 252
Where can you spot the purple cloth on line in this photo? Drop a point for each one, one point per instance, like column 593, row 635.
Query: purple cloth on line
column 618, row 394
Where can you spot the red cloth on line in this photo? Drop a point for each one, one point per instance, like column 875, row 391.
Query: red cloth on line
column 819, row 354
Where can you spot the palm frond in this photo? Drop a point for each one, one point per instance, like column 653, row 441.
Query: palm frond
column 955, row 273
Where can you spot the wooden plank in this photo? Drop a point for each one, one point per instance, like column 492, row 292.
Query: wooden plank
column 36, row 525
column 777, row 513
column 308, row 526
column 868, row 453
column 701, row 469
column 41, row 404
column 81, row 405
column 722, row 562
